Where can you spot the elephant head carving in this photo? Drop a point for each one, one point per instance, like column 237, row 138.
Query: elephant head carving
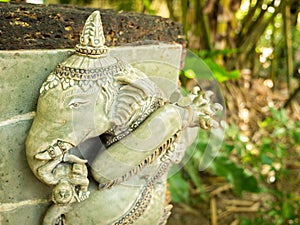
column 90, row 110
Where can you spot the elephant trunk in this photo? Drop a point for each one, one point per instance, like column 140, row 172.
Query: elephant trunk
column 55, row 215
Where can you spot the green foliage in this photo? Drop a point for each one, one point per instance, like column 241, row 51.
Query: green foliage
column 128, row 5
column 197, row 68
column 147, row 5
column 133, row 5
column 220, row 72
column 189, row 178
column 267, row 156
column 179, row 188
column 256, row 167
column 236, row 175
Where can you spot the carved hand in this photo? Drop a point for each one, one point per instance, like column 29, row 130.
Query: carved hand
column 73, row 158
column 202, row 110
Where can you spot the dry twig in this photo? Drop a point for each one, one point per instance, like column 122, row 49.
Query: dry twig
column 213, row 211
column 221, row 189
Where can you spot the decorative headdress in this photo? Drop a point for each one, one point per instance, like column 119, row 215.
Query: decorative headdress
column 91, row 61
column 92, row 39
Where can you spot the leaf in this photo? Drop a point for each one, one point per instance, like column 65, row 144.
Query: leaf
column 266, row 146
column 245, row 221
column 228, row 148
column 179, row 188
column 147, row 5
column 280, row 116
column 279, row 132
column 287, row 210
column 296, row 136
column 195, row 178
column 297, row 124
column 220, row 73
column 241, row 180
column 189, row 74
column 267, row 122
column 265, row 159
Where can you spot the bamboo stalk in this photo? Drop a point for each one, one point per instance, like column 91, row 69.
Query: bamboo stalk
column 248, row 19
column 202, row 26
column 170, row 6
column 274, row 56
column 292, row 96
column 221, row 189
column 252, row 29
column 288, row 44
column 235, row 209
column 222, row 26
column 252, row 38
column 184, row 9
column 238, row 202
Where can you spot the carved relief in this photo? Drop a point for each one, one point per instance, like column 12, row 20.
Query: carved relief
column 91, row 110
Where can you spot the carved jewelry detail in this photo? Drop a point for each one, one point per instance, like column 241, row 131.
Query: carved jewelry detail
column 144, row 198
column 90, row 95
column 151, row 105
column 90, row 74
column 138, row 208
column 166, row 215
column 160, row 151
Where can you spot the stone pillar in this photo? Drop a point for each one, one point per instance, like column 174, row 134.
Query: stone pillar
column 48, row 34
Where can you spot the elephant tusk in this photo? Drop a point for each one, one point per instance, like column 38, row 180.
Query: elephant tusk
column 43, row 156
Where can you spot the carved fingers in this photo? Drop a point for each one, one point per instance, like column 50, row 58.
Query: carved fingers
column 202, row 107
column 73, row 158
column 59, row 150
column 205, row 109
column 54, row 151
column 83, row 195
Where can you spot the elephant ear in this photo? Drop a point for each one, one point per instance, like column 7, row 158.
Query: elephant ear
column 51, row 82
column 136, row 99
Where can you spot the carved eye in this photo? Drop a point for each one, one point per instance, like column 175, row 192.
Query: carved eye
column 76, row 103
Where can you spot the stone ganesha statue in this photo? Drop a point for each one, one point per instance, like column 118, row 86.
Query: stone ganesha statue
column 104, row 137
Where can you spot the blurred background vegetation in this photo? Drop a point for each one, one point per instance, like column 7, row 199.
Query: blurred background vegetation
column 253, row 49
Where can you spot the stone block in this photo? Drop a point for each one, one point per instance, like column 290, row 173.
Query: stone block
column 24, row 199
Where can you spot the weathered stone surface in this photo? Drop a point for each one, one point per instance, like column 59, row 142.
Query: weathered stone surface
column 26, row 26
column 23, row 199
column 14, row 169
column 22, row 74
column 29, row 213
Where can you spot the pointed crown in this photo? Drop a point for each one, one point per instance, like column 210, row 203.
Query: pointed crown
column 91, row 61
column 92, row 39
